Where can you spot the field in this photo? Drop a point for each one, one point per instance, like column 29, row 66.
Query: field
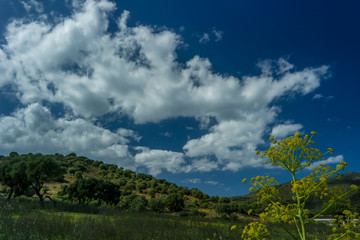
column 24, row 219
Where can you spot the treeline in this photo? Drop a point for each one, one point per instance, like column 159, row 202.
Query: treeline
column 27, row 174
column 84, row 181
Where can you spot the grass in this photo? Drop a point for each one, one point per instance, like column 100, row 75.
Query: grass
column 24, row 219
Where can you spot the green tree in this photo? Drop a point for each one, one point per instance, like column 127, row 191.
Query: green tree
column 13, row 176
column 175, row 202
column 156, row 204
column 295, row 154
column 108, row 192
column 138, row 204
column 40, row 170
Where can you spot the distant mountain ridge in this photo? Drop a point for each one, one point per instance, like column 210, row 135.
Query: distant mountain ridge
column 344, row 182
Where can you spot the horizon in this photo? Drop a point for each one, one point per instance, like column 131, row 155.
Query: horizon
column 180, row 90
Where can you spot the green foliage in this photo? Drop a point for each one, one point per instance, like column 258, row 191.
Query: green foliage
column 41, row 170
column 224, row 200
column 157, row 204
column 295, row 154
column 175, row 202
column 78, row 175
column 21, row 172
column 140, row 186
column 130, row 186
column 13, row 176
column 138, row 204
column 86, row 190
column 122, row 182
column 89, row 182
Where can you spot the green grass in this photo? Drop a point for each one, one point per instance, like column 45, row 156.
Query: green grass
column 26, row 220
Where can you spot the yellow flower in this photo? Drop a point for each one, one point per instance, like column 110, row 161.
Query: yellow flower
column 233, row 227
column 297, row 134
column 244, row 180
column 271, row 138
column 313, row 133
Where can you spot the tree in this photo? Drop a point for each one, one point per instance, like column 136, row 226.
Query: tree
column 138, row 204
column 108, row 192
column 295, row 154
column 13, row 175
column 41, row 170
column 82, row 190
column 175, row 202
column 91, row 189
column 156, row 204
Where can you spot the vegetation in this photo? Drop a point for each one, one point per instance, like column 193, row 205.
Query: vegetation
column 295, row 154
column 94, row 200
column 23, row 218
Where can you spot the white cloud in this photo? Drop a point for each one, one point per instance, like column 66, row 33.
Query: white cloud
column 204, row 38
column 212, row 182
column 28, row 5
column 284, row 130
column 318, row 96
column 218, row 34
column 158, row 160
column 134, row 72
column 202, row 165
column 193, row 180
column 34, row 129
column 215, row 35
column 330, row 160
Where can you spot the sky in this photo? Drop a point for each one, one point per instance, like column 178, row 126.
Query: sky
column 183, row 90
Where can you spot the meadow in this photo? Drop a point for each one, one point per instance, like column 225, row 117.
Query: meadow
column 23, row 218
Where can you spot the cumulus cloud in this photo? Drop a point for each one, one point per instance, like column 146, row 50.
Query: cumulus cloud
column 134, row 71
column 202, row 165
column 34, row 129
column 157, row 160
column 284, row 130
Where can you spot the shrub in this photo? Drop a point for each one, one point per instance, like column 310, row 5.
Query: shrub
column 138, row 204
column 175, row 202
column 156, row 204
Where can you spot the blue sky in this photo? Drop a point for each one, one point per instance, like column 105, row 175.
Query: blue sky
column 183, row 90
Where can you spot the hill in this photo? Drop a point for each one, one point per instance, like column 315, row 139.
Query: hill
column 132, row 186
column 344, row 182
column 136, row 191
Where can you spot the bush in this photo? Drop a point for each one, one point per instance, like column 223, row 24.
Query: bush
column 233, row 216
column 175, row 202
column 122, row 182
column 221, row 208
column 78, row 175
column 156, row 204
column 138, row 204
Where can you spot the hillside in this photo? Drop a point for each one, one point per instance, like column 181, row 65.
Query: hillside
column 344, row 182
column 132, row 185
column 143, row 191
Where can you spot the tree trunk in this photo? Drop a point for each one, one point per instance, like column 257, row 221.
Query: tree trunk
column 52, row 200
column 42, row 203
column 41, row 197
column 10, row 194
